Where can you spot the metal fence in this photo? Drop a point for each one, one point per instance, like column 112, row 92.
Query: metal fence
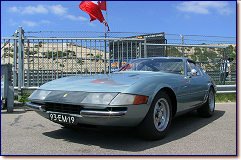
column 171, row 38
column 37, row 60
column 212, row 58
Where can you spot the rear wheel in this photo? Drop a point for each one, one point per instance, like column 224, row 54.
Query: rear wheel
column 207, row 109
column 158, row 119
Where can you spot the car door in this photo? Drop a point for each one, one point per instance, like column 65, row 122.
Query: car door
column 197, row 84
column 182, row 89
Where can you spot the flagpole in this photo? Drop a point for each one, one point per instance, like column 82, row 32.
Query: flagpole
column 105, row 40
column 106, row 20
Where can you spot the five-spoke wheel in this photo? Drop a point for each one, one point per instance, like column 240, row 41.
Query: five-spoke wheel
column 158, row 119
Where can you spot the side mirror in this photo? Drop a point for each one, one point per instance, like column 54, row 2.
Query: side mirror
column 193, row 72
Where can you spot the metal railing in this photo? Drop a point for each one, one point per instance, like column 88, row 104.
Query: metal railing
column 226, row 89
column 39, row 60
column 171, row 38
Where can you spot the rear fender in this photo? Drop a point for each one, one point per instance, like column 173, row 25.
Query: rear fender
column 209, row 86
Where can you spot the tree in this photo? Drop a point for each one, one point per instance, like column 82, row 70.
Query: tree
column 211, row 54
column 197, row 51
column 232, row 52
column 173, row 52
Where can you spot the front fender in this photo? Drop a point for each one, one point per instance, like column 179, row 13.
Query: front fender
column 158, row 88
column 147, row 88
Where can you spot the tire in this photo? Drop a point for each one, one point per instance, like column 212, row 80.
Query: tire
column 207, row 109
column 158, row 119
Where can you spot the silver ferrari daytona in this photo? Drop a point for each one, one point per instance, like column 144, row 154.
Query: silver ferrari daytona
column 146, row 93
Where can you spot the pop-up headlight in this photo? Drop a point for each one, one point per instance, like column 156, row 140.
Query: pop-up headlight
column 99, row 98
column 39, row 95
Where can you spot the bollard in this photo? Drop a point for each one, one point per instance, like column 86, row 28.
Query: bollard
column 10, row 99
column 7, row 89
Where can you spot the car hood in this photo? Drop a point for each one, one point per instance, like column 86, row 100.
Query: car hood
column 114, row 82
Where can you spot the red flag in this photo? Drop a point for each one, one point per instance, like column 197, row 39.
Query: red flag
column 102, row 5
column 93, row 9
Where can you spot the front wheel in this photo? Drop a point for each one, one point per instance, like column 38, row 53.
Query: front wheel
column 207, row 109
column 158, row 119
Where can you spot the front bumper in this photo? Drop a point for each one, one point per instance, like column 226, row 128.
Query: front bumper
column 130, row 117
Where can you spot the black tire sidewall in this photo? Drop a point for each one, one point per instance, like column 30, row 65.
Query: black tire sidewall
column 205, row 110
column 209, row 109
column 148, row 127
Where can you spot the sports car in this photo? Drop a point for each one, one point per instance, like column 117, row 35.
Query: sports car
column 145, row 93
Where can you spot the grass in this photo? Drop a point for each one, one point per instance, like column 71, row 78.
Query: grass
column 24, row 98
column 225, row 98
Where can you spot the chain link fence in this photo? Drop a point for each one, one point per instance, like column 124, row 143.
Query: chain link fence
column 48, row 55
column 213, row 60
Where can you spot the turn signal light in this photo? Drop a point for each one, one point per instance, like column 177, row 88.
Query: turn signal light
column 140, row 99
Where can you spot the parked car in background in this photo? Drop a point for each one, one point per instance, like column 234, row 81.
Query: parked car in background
column 145, row 93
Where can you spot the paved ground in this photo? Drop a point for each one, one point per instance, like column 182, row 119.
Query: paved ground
column 27, row 133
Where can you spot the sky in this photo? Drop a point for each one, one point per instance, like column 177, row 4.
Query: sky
column 213, row 18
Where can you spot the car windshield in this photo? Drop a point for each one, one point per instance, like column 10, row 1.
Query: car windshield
column 156, row 65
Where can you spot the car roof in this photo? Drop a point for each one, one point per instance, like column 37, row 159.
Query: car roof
column 183, row 58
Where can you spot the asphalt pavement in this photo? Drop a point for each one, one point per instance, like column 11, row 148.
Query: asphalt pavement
column 27, row 133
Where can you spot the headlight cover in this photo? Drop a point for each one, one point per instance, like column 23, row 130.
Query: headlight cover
column 127, row 99
column 99, row 98
column 39, row 94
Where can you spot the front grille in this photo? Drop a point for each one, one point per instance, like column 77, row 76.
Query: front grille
column 64, row 108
